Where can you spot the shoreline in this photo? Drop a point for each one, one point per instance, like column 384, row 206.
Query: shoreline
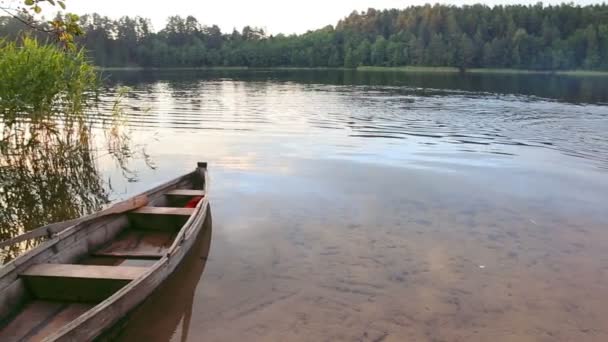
column 506, row 71
column 402, row 69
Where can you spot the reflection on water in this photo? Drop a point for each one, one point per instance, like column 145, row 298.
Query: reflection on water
column 562, row 88
column 46, row 175
column 49, row 168
column 374, row 206
column 380, row 209
column 470, row 118
column 319, row 254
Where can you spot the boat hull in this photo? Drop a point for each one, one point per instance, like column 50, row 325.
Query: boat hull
column 70, row 247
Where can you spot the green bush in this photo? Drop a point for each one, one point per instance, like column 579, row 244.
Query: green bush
column 42, row 83
column 48, row 171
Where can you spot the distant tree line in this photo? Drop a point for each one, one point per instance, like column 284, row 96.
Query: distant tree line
column 515, row 36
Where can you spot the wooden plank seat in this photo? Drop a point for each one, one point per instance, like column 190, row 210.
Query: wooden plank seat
column 84, row 271
column 131, row 254
column 78, row 283
column 164, row 211
column 185, row 192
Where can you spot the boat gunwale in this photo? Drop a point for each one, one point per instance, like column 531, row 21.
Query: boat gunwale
column 181, row 236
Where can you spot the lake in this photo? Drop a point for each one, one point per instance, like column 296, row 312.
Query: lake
column 373, row 206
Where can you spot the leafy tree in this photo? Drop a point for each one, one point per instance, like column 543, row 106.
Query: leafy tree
column 63, row 27
column 566, row 36
column 379, row 51
column 592, row 54
column 363, row 52
column 466, row 54
column 349, row 60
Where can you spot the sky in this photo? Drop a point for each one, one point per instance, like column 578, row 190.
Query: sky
column 276, row 16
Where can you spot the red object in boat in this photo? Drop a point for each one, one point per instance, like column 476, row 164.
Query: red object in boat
column 193, row 202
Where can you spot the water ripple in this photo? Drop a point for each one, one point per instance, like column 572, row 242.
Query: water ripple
column 433, row 117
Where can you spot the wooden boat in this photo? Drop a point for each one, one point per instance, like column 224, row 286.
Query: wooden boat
column 175, row 297
column 84, row 279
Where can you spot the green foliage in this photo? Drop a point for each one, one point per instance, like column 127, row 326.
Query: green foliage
column 379, row 51
column 40, row 83
column 535, row 37
column 47, row 160
column 63, row 28
column 50, row 94
column 48, row 107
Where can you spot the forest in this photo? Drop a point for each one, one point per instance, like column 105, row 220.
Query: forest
column 537, row 37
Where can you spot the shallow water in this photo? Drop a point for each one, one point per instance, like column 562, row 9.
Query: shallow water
column 379, row 207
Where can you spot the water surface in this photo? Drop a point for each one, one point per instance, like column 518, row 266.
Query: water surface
column 378, row 206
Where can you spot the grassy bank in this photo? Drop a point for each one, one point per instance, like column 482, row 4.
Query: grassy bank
column 419, row 69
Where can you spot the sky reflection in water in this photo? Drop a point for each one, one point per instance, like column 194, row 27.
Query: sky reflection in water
column 373, row 209
column 366, row 207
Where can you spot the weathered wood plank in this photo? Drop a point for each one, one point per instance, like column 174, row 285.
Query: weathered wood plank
column 113, row 298
column 202, row 205
column 55, row 228
column 91, row 324
column 12, row 298
column 78, row 283
column 185, row 192
column 84, row 271
column 134, row 243
column 39, row 319
column 164, row 211
column 130, row 254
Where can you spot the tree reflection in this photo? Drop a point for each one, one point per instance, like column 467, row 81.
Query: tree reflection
column 47, row 174
column 559, row 87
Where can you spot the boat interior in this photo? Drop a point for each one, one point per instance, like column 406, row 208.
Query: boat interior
column 85, row 268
